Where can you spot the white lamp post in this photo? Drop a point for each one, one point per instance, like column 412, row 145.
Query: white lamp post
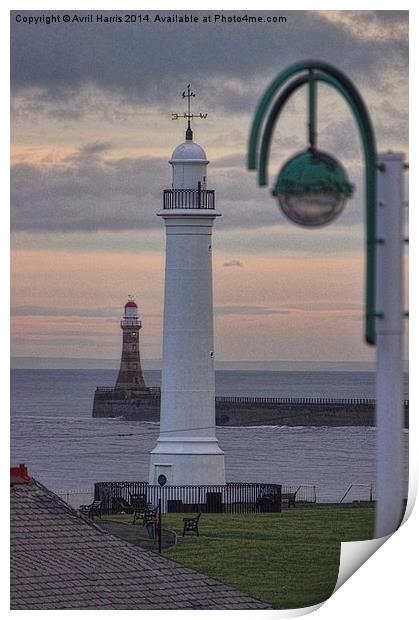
column 390, row 489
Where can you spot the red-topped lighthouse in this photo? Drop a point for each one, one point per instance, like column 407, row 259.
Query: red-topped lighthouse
column 130, row 375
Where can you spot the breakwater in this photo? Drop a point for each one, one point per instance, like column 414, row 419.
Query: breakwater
column 245, row 411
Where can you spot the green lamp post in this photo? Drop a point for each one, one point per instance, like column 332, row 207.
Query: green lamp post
column 312, row 188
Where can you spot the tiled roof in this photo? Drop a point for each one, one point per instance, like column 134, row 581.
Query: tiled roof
column 60, row 560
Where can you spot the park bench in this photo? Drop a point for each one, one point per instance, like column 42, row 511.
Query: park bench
column 121, row 505
column 150, row 514
column 138, row 501
column 268, row 502
column 139, row 505
column 151, row 520
column 93, row 509
column 143, row 511
column 190, row 524
column 289, row 498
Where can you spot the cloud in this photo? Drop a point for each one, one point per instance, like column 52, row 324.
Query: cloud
column 147, row 64
column 110, row 314
column 86, row 192
column 93, row 150
column 248, row 310
column 90, row 194
column 65, row 312
column 320, row 306
column 236, row 160
column 233, row 263
column 377, row 25
column 119, row 71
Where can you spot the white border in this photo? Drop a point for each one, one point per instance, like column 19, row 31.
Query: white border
column 386, row 585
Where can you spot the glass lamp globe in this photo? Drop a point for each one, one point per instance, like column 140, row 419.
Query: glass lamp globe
column 312, row 188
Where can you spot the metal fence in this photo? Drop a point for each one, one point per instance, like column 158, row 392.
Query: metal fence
column 304, row 493
column 299, row 401
column 155, row 391
column 358, row 492
column 107, row 393
column 239, row 497
column 75, row 497
column 233, row 497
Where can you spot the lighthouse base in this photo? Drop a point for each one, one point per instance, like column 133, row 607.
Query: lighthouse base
column 188, row 462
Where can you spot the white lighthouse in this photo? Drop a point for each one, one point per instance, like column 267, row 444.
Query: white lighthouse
column 187, row 450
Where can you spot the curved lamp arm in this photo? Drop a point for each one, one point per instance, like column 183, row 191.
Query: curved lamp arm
column 320, row 71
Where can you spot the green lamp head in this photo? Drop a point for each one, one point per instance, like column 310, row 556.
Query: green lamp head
column 312, row 188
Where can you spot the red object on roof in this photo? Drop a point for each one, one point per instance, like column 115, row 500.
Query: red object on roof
column 19, row 475
column 131, row 304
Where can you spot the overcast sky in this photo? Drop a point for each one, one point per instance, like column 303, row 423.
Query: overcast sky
column 91, row 138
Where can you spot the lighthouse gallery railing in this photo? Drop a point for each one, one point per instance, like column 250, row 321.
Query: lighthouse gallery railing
column 188, row 199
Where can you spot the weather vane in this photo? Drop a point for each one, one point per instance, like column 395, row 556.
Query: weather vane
column 188, row 95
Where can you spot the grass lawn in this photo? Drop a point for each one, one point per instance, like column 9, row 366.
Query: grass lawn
column 290, row 559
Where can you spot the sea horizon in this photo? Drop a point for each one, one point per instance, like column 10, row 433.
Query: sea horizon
column 79, row 363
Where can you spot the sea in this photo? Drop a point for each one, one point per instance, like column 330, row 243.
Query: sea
column 54, row 434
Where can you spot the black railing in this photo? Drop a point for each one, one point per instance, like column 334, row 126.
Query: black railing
column 295, row 400
column 155, row 391
column 123, row 394
column 362, row 492
column 188, row 199
column 304, row 493
column 233, row 497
